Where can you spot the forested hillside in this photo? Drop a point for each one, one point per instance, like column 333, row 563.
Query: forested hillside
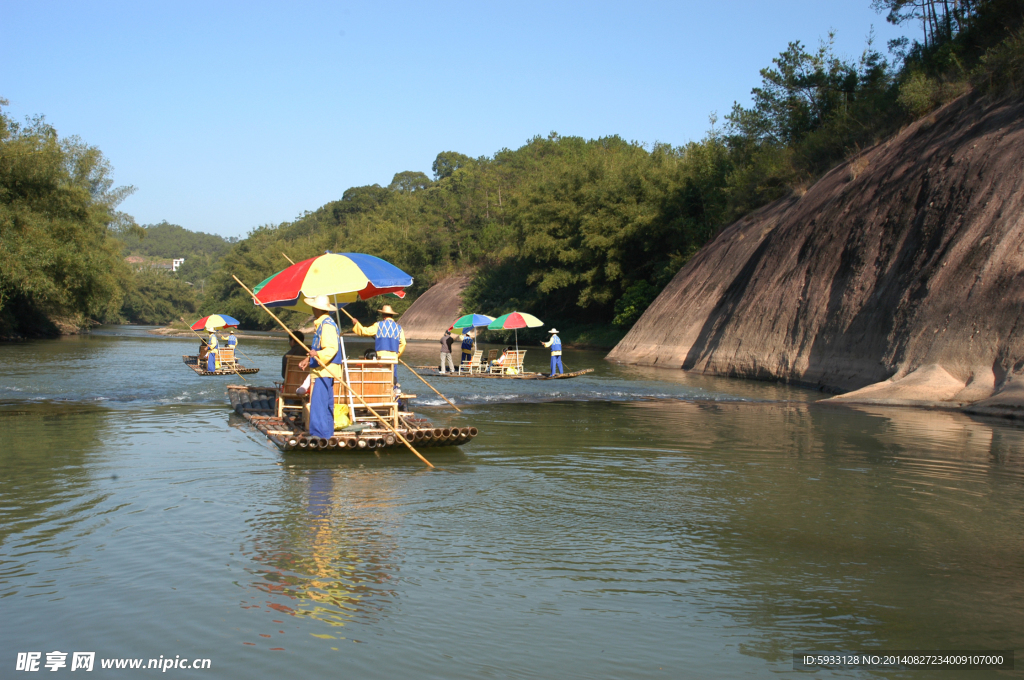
column 590, row 231
column 575, row 231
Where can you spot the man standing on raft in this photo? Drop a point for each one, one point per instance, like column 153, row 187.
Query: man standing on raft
column 323, row 364
column 467, row 347
column 389, row 338
column 212, row 360
column 555, row 343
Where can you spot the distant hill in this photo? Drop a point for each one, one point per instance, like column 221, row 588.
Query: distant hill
column 166, row 240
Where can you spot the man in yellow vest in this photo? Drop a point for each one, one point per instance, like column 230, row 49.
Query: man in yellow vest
column 324, row 364
column 212, row 359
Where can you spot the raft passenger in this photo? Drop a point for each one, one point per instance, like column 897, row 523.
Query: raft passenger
column 294, row 350
column 467, row 347
column 446, row 350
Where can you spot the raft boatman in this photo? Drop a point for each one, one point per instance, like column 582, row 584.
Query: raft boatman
column 555, row 343
column 389, row 338
column 232, row 340
column 212, row 360
column 323, row 364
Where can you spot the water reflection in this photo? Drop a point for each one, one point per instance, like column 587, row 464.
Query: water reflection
column 328, row 554
column 46, row 488
column 873, row 528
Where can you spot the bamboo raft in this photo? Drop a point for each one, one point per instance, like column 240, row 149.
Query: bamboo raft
column 259, row 406
column 193, row 363
column 433, row 372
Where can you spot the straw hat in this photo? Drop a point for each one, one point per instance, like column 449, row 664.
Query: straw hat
column 320, row 302
column 553, row 331
column 387, row 311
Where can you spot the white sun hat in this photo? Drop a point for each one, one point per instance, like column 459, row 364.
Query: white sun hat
column 320, row 302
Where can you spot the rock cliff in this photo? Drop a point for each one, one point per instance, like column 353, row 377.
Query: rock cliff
column 435, row 310
column 897, row 278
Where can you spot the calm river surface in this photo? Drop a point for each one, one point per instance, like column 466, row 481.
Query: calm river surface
column 632, row 523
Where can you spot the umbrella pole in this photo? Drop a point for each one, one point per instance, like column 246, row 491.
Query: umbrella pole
column 417, row 374
column 344, row 354
column 376, row 415
column 208, row 345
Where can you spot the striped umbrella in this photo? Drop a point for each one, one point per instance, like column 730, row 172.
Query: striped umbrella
column 214, row 321
column 344, row 277
column 472, row 321
column 515, row 321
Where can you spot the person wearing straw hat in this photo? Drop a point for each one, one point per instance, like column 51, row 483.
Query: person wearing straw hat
column 555, row 343
column 323, row 363
column 467, row 346
column 389, row 338
column 212, row 360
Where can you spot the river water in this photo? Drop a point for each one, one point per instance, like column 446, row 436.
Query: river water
column 632, row 523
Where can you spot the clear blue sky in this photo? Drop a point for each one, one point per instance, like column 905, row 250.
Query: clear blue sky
column 230, row 115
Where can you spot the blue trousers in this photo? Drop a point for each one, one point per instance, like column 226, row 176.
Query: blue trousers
column 556, row 362
column 321, row 408
column 211, row 361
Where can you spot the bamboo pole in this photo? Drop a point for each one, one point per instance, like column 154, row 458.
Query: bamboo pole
column 414, row 372
column 376, row 415
column 288, row 258
column 208, row 346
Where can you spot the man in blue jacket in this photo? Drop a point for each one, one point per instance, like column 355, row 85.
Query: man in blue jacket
column 555, row 343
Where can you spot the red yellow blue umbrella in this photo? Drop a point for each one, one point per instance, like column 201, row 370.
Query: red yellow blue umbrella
column 344, row 277
column 214, row 321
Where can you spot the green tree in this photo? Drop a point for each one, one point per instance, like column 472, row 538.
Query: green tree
column 59, row 256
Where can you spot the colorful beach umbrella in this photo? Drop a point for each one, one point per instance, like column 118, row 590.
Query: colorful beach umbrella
column 344, row 277
column 213, row 322
column 472, row 321
column 515, row 321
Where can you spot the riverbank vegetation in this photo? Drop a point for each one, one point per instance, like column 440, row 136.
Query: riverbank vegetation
column 61, row 263
column 588, row 232
column 582, row 233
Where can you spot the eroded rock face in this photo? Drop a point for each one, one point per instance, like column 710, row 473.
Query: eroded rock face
column 908, row 258
column 435, row 310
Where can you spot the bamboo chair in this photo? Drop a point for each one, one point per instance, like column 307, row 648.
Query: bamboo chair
column 226, row 356
column 374, row 382
column 492, row 356
column 512, row 359
column 474, row 365
column 293, row 379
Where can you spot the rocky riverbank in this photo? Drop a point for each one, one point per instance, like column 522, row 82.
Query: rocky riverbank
column 898, row 278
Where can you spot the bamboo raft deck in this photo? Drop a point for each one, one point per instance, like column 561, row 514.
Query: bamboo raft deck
column 193, row 363
column 433, row 372
column 258, row 405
